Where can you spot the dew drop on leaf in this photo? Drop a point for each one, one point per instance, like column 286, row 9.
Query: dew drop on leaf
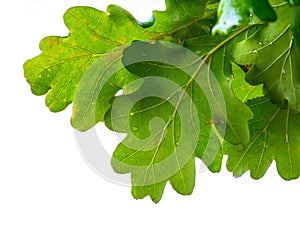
column 198, row 52
column 134, row 129
column 229, row 78
column 266, row 39
column 176, row 17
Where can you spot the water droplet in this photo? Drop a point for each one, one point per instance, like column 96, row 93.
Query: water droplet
column 259, row 43
column 176, row 17
column 283, row 71
column 271, row 43
column 254, row 51
column 251, row 15
column 131, row 114
column 229, row 78
column 266, row 39
column 198, row 52
column 134, row 129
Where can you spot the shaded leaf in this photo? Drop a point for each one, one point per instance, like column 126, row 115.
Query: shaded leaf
column 195, row 111
column 274, row 136
column 295, row 26
column 243, row 90
column 275, row 58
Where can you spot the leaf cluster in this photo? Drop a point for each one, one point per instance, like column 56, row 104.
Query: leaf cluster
column 202, row 79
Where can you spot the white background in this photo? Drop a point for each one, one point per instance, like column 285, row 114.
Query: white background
column 45, row 181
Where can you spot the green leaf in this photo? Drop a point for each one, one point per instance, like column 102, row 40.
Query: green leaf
column 96, row 88
column 58, row 71
column 233, row 13
column 243, row 90
column 181, row 13
column 263, row 10
column 64, row 60
column 216, row 50
column 155, row 151
column 194, row 111
column 274, row 136
column 272, row 52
